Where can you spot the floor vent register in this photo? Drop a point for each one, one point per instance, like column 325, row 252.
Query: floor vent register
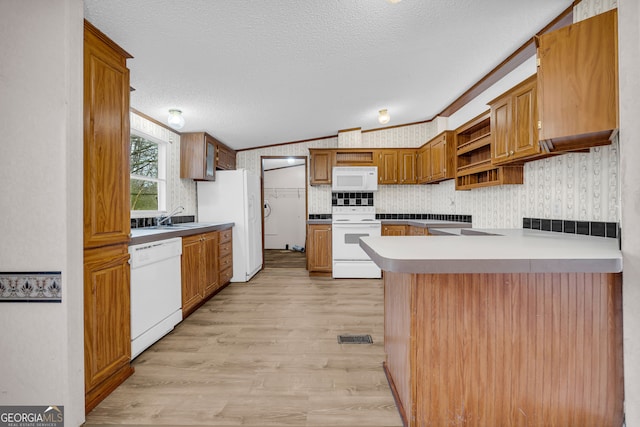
column 355, row 339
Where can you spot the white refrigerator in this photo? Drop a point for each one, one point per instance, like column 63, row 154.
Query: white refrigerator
column 235, row 197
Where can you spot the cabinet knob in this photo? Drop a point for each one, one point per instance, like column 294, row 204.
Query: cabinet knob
column 511, row 153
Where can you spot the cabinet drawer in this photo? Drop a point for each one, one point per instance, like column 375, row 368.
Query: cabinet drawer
column 225, row 249
column 225, row 262
column 225, row 276
column 225, row 236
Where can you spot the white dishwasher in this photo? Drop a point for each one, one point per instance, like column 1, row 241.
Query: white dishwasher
column 156, row 291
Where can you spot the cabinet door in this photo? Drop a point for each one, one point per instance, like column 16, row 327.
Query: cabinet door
column 225, row 157
column 514, row 116
column 198, row 156
column 394, row 230
column 407, row 167
column 438, row 165
column 425, row 164
column 321, row 165
column 192, row 276
column 106, row 144
column 107, row 311
column 388, row 167
column 417, row 231
column 501, row 130
column 319, row 255
column 210, row 262
column 524, row 121
column 210, row 156
column 578, row 82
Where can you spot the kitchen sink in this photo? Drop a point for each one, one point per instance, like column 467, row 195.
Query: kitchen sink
column 181, row 226
column 167, row 227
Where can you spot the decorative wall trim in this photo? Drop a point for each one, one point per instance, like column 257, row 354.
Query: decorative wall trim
column 31, row 287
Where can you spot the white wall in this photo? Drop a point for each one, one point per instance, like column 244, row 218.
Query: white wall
column 41, row 173
column 284, row 190
column 180, row 192
column 629, row 62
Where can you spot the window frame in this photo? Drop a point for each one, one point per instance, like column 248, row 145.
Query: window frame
column 161, row 180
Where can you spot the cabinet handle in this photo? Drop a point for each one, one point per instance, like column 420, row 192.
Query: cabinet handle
column 511, row 153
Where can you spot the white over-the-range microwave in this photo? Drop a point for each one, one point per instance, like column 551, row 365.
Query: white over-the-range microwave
column 354, row 178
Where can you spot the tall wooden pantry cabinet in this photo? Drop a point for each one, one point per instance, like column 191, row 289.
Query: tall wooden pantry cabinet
column 107, row 327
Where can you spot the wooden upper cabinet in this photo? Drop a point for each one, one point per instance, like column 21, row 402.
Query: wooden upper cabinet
column 423, row 164
column 435, row 160
column 106, row 141
column 407, row 166
column 578, row 83
column 442, row 157
column 514, row 118
column 197, row 156
column 387, row 167
column 473, row 157
column 225, row 157
column 321, row 165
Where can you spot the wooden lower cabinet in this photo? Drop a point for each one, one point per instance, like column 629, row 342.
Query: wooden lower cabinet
column 417, row 231
column 225, row 257
column 192, row 275
column 319, row 255
column 199, row 270
column 107, row 321
column 394, row 230
column 207, row 265
column 522, row 349
column 210, row 258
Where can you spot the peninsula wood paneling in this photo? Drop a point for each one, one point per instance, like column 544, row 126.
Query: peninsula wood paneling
column 397, row 341
column 513, row 349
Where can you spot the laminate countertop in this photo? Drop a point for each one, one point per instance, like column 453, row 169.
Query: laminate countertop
column 154, row 234
column 423, row 223
column 459, row 250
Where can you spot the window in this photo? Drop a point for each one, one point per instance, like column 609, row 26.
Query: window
column 148, row 173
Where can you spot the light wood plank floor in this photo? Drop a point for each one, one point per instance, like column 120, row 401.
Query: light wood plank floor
column 265, row 354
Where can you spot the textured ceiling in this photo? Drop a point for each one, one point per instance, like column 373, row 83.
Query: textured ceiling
column 260, row 72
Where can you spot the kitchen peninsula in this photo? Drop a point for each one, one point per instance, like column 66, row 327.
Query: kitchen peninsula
column 503, row 327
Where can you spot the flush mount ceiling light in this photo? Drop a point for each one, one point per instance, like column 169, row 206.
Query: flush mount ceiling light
column 383, row 117
column 393, row 1
column 175, row 119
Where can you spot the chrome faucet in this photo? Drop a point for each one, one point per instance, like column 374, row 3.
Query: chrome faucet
column 165, row 218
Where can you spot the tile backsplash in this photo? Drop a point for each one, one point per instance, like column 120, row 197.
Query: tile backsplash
column 352, row 199
column 588, row 228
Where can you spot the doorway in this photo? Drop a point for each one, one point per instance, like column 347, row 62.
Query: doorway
column 284, row 214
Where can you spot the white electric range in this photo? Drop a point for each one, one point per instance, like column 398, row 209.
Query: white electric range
column 349, row 223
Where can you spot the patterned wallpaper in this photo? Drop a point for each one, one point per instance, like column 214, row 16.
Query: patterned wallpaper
column 580, row 186
column 180, row 192
column 405, row 136
column 588, row 8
